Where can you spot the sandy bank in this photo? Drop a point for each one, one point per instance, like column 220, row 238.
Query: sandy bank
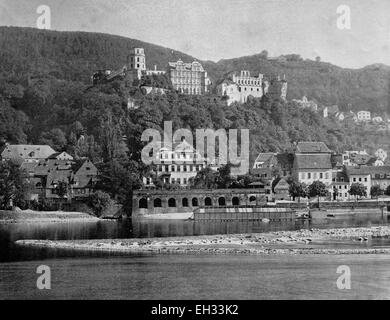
column 314, row 241
column 30, row 216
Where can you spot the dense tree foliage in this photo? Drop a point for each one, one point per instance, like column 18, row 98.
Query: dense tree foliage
column 358, row 190
column 46, row 97
column 13, row 186
column 298, row 190
column 376, row 191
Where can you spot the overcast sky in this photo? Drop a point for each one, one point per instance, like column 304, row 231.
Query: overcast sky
column 218, row 29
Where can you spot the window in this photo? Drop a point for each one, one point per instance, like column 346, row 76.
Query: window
column 172, row 203
column 194, row 202
column 184, row 202
column 143, row 203
column 157, row 203
column 221, row 201
column 309, row 175
column 321, row 175
column 208, row 202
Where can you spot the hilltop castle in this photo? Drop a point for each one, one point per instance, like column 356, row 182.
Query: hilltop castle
column 242, row 86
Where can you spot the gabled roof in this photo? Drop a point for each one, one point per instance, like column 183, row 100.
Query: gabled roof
column 362, row 171
column 312, row 147
column 282, row 185
column 264, row 157
column 362, row 159
column 57, row 155
column 25, row 151
column 313, row 161
column 45, row 167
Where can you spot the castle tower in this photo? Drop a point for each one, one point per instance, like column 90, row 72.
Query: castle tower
column 137, row 62
column 137, row 59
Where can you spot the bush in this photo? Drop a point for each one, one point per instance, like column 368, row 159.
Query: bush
column 99, row 202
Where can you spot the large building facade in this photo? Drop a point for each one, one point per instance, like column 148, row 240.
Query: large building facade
column 243, row 86
column 189, row 78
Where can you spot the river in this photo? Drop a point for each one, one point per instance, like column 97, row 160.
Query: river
column 75, row 276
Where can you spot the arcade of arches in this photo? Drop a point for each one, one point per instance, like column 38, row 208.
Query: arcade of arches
column 156, row 201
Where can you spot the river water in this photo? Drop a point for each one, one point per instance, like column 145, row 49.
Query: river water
column 76, row 276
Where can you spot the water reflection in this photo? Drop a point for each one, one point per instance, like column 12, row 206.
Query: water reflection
column 129, row 228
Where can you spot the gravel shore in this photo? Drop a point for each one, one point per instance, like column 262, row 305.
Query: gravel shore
column 313, row 241
column 30, row 216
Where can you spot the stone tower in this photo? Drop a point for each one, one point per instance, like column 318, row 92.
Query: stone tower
column 137, row 62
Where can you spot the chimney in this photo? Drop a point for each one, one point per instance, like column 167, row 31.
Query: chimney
column 155, row 67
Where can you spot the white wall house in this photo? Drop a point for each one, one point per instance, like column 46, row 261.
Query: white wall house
column 364, row 116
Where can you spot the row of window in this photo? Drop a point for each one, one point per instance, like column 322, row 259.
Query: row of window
column 359, row 179
column 185, row 81
column 189, row 90
column 245, row 89
column 138, row 59
column 314, row 175
column 178, row 168
column 249, row 82
column 178, row 155
column 186, row 74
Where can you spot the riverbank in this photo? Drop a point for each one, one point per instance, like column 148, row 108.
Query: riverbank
column 31, row 216
column 313, row 241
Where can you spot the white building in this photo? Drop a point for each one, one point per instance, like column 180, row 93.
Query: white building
column 364, row 116
column 177, row 166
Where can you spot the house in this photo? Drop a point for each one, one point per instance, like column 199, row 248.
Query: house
column 281, row 190
column 348, row 156
column 84, row 178
column 364, row 116
column 340, row 186
column 25, row 152
column 177, row 165
column 60, row 156
column 380, row 176
column 329, row 111
column 312, row 162
column 305, row 103
column 80, row 177
column 265, row 160
column 361, row 158
column 377, row 119
column 360, row 175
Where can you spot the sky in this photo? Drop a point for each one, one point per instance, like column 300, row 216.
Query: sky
column 222, row 29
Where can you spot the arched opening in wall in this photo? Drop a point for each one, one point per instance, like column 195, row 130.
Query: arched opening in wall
column 184, row 202
column 222, row 201
column 235, row 201
column 208, row 202
column 157, row 203
column 143, row 203
column 195, row 202
column 252, row 199
column 172, row 203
